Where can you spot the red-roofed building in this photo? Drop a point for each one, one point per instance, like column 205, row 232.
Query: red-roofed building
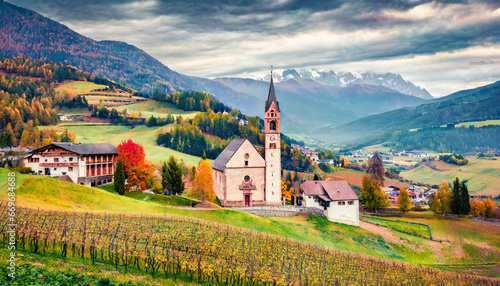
column 339, row 202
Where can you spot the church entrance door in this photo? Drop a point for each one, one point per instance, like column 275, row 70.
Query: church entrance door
column 247, row 200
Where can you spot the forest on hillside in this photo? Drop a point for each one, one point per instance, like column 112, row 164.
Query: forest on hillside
column 467, row 140
column 28, row 98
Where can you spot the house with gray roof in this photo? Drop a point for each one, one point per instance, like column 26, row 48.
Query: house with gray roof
column 336, row 198
column 89, row 164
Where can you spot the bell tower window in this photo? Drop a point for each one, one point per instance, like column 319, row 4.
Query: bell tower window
column 272, row 125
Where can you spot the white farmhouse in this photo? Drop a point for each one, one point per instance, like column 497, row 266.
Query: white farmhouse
column 89, row 164
column 339, row 202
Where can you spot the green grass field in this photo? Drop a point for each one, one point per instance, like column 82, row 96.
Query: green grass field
column 79, row 86
column 115, row 134
column 160, row 199
column 156, row 108
column 479, row 123
column 400, row 225
column 483, row 175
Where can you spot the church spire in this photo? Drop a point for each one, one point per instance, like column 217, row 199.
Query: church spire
column 272, row 95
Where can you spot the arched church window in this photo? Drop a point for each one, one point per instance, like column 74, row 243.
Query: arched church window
column 272, row 125
column 247, row 156
column 247, row 178
column 272, row 146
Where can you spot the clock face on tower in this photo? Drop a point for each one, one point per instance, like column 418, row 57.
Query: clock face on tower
column 272, row 138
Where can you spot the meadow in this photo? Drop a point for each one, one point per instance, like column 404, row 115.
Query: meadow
column 482, row 175
column 155, row 108
column 115, row 134
column 79, row 86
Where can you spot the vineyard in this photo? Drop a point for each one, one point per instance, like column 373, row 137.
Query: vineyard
column 208, row 253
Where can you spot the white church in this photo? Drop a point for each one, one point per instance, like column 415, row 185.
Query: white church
column 241, row 176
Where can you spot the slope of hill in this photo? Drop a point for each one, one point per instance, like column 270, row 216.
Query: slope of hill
column 343, row 79
column 482, row 175
column 41, row 38
column 44, row 193
column 472, row 105
column 27, row 33
column 308, row 105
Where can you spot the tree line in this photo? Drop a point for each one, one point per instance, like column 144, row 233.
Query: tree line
column 191, row 100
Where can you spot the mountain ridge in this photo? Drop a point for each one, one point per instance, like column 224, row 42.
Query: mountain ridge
column 343, row 79
column 29, row 34
column 463, row 106
column 306, row 103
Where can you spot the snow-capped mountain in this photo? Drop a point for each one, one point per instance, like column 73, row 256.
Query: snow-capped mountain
column 343, row 79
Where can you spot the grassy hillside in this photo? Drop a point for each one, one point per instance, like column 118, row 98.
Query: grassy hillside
column 79, row 86
column 483, row 175
column 153, row 198
column 50, row 193
column 115, row 134
column 156, row 108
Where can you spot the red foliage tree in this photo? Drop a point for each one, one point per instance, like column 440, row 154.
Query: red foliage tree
column 137, row 170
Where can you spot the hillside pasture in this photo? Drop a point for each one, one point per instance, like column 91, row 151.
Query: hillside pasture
column 115, row 134
column 156, row 108
column 98, row 93
column 79, row 87
column 478, row 123
column 355, row 178
column 482, row 175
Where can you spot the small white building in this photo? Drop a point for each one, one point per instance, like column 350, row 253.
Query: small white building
column 64, row 117
column 339, row 202
column 89, row 164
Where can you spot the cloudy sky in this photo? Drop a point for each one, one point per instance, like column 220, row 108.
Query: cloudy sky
column 443, row 46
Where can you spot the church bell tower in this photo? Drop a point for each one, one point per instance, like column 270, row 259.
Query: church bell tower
column 272, row 148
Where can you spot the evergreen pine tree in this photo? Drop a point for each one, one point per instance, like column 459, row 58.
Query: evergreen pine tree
column 120, row 177
column 456, row 199
column 164, row 176
column 174, row 176
column 464, row 199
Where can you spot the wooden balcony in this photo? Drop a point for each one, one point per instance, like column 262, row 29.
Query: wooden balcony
column 59, row 164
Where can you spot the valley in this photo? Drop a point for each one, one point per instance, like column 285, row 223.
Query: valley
column 341, row 180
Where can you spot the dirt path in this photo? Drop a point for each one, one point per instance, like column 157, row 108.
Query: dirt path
column 385, row 233
column 388, row 236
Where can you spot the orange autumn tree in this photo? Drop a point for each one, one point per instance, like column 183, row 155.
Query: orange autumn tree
column 203, row 186
column 138, row 171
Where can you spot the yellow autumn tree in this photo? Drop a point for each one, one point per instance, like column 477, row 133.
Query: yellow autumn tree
column 404, row 201
column 441, row 201
column 203, row 185
column 285, row 192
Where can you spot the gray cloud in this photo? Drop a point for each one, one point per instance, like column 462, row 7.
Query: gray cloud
column 226, row 37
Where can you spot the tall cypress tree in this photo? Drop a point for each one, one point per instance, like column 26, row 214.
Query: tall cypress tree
column 120, row 177
column 456, row 200
column 174, row 176
column 465, row 199
column 164, row 176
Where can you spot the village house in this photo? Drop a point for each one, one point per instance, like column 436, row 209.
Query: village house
column 89, row 164
column 242, row 177
column 336, row 198
column 312, row 155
